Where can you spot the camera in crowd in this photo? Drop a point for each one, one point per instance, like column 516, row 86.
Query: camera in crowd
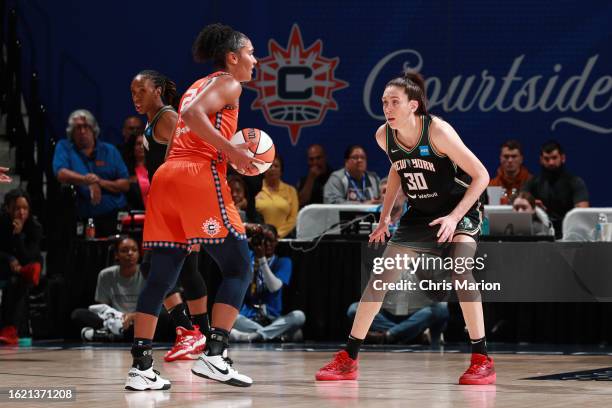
column 255, row 234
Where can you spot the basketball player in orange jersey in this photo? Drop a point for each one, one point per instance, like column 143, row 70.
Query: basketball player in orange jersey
column 191, row 203
column 424, row 152
column 154, row 95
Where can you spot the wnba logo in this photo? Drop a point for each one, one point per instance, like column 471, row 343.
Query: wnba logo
column 295, row 85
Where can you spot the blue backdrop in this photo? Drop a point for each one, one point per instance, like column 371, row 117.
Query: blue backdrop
column 496, row 70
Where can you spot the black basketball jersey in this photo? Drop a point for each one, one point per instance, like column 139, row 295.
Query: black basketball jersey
column 155, row 151
column 428, row 178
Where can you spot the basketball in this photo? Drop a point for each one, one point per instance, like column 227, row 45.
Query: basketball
column 262, row 149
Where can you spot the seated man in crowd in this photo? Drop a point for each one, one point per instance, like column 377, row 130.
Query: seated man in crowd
column 20, row 263
column 404, row 316
column 310, row 187
column 95, row 168
column 260, row 317
column 353, row 184
column 511, row 174
column 556, row 190
column 117, row 291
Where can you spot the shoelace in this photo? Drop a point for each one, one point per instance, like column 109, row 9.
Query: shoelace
column 156, row 372
column 473, row 368
column 229, row 361
column 184, row 341
column 335, row 363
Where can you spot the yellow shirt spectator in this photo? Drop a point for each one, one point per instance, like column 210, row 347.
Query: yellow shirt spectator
column 277, row 202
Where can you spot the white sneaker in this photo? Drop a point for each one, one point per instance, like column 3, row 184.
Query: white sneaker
column 145, row 380
column 219, row 368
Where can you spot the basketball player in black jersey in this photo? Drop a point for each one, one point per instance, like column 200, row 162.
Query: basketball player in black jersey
column 424, row 152
column 154, row 96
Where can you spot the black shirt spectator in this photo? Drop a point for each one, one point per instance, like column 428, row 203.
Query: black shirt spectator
column 20, row 263
column 555, row 189
column 310, row 187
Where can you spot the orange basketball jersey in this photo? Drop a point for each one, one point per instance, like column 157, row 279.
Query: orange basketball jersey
column 189, row 146
column 189, row 201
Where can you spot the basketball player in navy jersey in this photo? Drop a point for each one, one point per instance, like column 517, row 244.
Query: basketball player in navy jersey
column 424, row 152
column 154, row 95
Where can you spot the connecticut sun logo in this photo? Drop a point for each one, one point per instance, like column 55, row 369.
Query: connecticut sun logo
column 295, row 85
column 211, row 227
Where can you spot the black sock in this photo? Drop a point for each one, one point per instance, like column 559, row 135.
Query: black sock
column 352, row 347
column 142, row 353
column 479, row 346
column 202, row 321
column 178, row 315
column 218, row 341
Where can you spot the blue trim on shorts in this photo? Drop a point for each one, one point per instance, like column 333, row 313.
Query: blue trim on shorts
column 226, row 222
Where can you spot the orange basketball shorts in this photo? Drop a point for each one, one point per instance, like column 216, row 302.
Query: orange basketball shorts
column 190, row 203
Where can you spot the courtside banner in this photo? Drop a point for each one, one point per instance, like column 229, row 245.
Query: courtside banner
column 492, row 272
column 495, row 70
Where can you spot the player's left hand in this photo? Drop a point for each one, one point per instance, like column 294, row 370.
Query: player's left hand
column 447, row 225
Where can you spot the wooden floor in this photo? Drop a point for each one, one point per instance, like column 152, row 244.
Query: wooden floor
column 285, row 378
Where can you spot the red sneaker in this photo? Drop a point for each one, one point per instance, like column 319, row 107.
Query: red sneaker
column 480, row 372
column 8, row 336
column 342, row 367
column 187, row 346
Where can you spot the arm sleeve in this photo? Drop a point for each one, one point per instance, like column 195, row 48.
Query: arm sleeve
column 580, row 192
column 334, row 191
column 272, row 283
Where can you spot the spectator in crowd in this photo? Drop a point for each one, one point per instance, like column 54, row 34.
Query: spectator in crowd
column 555, row 189
column 405, row 315
column 132, row 125
column 95, row 168
column 260, row 317
column 246, row 208
column 117, row 291
column 511, row 174
column 277, row 201
column 525, row 202
column 20, row 263
column 353, row 183
column 134, row 158
column 310, row 187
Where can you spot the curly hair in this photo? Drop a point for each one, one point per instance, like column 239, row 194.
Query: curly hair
column 215, row 41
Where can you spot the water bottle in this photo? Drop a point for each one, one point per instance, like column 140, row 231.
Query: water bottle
column 90, row 230
column 601, row 220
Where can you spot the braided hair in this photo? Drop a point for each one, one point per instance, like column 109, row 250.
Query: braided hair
column 168, row 87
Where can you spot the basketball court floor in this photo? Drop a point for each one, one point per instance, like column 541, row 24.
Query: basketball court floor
column 529, row 376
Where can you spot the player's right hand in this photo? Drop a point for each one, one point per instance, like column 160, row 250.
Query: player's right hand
column 239, row 156
column 381, row 233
